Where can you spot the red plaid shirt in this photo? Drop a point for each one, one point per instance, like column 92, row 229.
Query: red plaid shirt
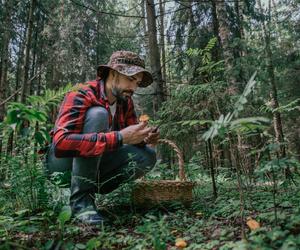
column 67, row 135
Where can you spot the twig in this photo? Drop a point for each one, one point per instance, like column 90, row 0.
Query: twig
column 11, row 96
column 104, row 12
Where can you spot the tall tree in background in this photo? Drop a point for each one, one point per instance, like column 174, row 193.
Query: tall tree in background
column 154, row 55
column 25, row 83
column 4, row 59
column 162, row 44
column 6, row 36
column 224, row 34
column 277, row 122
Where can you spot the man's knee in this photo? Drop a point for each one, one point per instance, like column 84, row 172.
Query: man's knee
column 147, row 160
column 150, row 156
column 96, row 120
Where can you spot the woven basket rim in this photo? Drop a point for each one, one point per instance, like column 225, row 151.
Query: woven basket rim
column 161, row 184
column 163, row 181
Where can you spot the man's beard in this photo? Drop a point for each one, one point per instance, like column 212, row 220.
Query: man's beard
column 119, row 94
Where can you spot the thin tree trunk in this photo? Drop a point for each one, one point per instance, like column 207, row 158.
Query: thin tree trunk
column 5, row 55
column 25, row 83
column 273, row 93
column 212, row 168
column 35, row 55
column 191, row 40
column 154, row 55
column 8, row 7
column 239, row 50
column 162, row 45
column 215, row 52
column 224, row 34
column 146, row 35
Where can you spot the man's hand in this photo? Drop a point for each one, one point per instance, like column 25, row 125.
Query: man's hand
column 152, row 137
column 135, row 134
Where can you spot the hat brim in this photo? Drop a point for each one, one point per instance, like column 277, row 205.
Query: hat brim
column 128, row 71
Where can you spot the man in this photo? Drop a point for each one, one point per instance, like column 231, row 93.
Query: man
column 97, row 136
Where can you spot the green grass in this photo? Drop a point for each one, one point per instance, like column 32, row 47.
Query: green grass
column 208, row 224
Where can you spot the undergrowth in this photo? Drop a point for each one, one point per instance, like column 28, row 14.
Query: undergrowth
column 208, row 224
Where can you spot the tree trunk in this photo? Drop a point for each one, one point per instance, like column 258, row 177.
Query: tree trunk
column 8, row 8
column 34, row 61
column 146, row 35
column 215, row 52
column 25, row 82
column 162, row 45
column 8, row 5
column 273, row 93
column 191, row 41
column 154, row 55
column 212, row 168
column 239, row 50
column 224, row 34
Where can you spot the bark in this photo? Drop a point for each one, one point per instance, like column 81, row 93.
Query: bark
column 238, row 6
column 25, row 83
column 154, row 55
column 215, row 52
column 212, row 168
column 191, row 40
column 162, row 44
column 143, row 8
column 224, row 34
column 19, row 67
column 239, row 50
column 272, row 81
column 34, row 61
column 192, row 27
column 40, row 61
column 8, row 7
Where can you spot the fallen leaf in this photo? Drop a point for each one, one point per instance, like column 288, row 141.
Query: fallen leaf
column 144, row 118
column 180, row 243
column 253, row 224
column 199, row 214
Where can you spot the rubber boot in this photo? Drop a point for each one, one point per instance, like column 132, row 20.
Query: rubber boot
column 85, row 171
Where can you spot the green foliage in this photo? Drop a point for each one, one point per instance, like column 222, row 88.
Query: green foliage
column 23, row 171
column 225, row 124
column 63, row 217
column 197, row 101
column 35, row 113
column 26, row 183
column 292, row 106
column 77, row 36
column 207, row 223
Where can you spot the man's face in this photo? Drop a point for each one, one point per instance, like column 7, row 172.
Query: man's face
column 124, row 86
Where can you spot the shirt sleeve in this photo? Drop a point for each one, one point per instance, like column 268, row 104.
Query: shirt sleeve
column 68, row 138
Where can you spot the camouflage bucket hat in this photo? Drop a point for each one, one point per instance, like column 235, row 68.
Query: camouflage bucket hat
column 127, row 63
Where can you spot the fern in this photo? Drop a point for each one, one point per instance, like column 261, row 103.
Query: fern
column 52, row 97
column 225, row 124
column 293, row 105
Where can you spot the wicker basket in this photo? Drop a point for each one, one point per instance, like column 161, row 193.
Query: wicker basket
column 154, row 192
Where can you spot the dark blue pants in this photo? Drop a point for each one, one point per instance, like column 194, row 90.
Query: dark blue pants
column 105, row 172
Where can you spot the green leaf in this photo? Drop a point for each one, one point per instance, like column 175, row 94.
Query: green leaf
column 80, row 246
column 92, row 244
column 64, row 215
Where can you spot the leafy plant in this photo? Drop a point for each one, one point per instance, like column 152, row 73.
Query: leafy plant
column 226, row 124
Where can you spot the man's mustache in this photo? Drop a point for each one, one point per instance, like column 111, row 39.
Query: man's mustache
column 128, row 92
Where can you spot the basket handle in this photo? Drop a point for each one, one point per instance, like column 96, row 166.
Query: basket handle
column 179, row 154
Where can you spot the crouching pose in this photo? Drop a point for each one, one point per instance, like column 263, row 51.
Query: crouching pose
column 97, row 136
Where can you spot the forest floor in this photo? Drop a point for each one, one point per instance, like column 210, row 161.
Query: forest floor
column 208, row 224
